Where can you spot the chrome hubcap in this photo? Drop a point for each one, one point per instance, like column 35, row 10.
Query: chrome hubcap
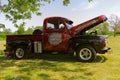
column 85, row 54
column 19, row 53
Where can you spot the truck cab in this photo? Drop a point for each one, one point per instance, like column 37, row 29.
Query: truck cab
column 59, row 35
column 56, row 34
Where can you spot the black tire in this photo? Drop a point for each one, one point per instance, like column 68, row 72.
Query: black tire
column 20, row 53
column 85, row 53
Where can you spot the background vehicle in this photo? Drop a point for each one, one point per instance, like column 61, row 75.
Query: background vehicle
column 59, row 35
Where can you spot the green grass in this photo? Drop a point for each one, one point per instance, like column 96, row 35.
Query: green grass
column 63, row 67
column 2, row 43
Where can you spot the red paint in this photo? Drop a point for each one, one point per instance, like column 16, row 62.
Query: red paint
column 88, row 24
column 48, row 36
column 63, row 45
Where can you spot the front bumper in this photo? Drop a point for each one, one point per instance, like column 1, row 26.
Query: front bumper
column 104, row 50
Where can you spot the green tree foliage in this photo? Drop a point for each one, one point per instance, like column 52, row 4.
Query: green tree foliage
column 21, row 9
column 4, row 31
column 38, row 27
column 114, row 22
column 2, row 26
column 29, row 31
column 7, row 31
column 102, row 28
column 16, row 10
column 20, row 28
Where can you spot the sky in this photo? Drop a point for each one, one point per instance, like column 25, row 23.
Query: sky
column 78, row 11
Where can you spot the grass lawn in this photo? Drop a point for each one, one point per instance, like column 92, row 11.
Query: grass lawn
column 62, row 67
column 2, row 43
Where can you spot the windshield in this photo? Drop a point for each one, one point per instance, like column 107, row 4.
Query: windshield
column 55, row 24
column 69, row 24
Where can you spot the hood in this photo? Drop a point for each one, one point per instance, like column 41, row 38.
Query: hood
column 88, row 24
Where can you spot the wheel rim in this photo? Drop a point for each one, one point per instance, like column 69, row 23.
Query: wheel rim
column 85, row 54
column 19, row 53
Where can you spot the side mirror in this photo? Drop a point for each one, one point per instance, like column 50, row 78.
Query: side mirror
column 70, row 22
column 2, row 26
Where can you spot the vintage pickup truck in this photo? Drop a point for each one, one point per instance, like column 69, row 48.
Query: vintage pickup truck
column 59, row 35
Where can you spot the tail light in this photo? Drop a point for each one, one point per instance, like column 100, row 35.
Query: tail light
column 105, row 43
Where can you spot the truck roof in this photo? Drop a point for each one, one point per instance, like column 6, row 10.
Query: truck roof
column 58, row 17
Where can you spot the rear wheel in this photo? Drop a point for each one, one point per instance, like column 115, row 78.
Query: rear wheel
column 85, row 53
column 20, row 53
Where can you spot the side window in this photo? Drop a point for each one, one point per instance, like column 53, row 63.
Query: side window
column 50, row 26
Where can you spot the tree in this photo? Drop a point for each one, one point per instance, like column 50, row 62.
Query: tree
column 16, row 10
column 20, row 28
column 21, row 9
column 2, row 26
column 114, row 22
column 31, row 29
column 104, row 28
column 101, row 28
column 38, row 27
column 7, row 31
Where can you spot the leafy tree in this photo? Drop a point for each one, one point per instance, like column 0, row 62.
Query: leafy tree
column 2, row 26
column 104, row 28
column 20, row 28
column 101, row 28
column 38, row 27
column 114, row 22
column 7, row 31
column 4, row 31
column 31, row 29
column 66, row 2
column 16, row 10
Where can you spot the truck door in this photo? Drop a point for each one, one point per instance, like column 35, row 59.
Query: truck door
column 56, row 35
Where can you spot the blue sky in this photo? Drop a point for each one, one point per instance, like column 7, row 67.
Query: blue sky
column 78, row 11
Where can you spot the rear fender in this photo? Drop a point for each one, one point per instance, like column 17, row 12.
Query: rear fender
column 20, row 42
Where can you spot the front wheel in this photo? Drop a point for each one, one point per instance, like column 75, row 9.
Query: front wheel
column 85, row 53
column 19, row 53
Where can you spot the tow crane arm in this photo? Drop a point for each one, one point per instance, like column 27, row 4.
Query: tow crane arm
column 88, row 24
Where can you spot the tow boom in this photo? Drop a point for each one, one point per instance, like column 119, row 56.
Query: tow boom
column 88, row 24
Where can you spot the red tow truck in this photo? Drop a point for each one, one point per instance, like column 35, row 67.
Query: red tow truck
column 59, row 35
